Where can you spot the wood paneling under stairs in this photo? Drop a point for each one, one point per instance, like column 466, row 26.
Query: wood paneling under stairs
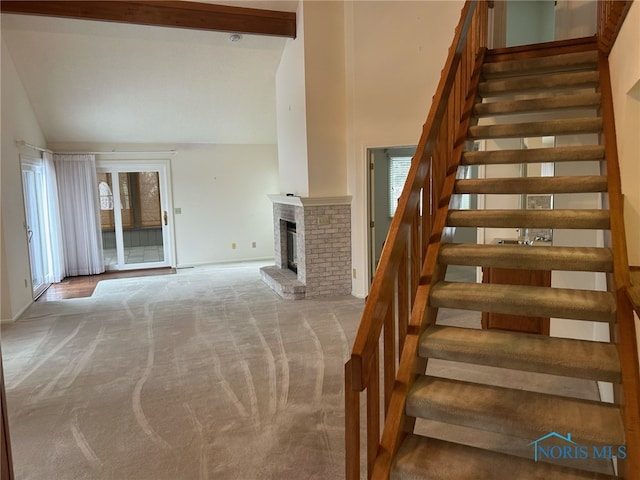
column 83, row 286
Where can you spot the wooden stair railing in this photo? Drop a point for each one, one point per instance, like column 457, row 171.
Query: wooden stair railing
column 387, row 319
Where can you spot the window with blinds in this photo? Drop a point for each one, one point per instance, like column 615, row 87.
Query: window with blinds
column 139, row 200
column 398, row 171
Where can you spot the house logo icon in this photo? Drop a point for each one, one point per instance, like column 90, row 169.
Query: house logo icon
column 561, row 447
column 547, row 436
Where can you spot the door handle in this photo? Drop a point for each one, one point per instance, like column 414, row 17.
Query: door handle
column 29, row 235
column 165, row 217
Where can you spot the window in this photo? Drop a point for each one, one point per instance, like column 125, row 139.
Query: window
column 398, row 171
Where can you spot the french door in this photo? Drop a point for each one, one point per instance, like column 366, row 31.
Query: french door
column 37, row 226
column 134, row 215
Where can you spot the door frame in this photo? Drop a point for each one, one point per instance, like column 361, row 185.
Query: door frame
column 163, row 167
column 370, row 207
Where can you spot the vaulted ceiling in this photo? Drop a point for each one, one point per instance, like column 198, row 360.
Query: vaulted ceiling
column 98, row 82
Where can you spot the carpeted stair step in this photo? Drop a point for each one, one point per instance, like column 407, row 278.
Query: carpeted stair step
column 576, row 259
column 569, row 126
column 525, row 300
column 538, row 83
column 429, row 459
column 556, row 63
column 514, row 412
column 569, row 219
column 530, row 105
column 585, row 153
column 518, row 351
column 532, row 185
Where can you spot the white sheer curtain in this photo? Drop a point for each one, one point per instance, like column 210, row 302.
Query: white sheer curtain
column 53, row 219
column 80, row 214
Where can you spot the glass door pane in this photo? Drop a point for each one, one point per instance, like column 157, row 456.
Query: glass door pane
column 141, row 217
column 134, row 218
column 107, row 219
column 35, row 208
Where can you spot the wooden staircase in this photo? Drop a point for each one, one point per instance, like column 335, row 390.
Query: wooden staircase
column 518, row 413
column 485, row 423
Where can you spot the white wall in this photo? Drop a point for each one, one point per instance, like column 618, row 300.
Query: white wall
column 624, row 63
column 18, row 123
column 326, row 97
column 291, row 115
column 311, row 109
column 222, row 193
column 394, row 54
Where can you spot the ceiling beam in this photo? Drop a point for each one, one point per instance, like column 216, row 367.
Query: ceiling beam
column 201, row 16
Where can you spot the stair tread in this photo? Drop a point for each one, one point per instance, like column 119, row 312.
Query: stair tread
column 535, row 185
column 500, row 443
column 567, row 61
column 577, row 259
column 517, row 351
column 567, row 219
column 569, row 126
column 537, row 104
column 535, row 155
column 515, row 412
column 524, row 300
column 545, row 82
column 430, row 459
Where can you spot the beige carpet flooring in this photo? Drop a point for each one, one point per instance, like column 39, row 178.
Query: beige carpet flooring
column 206, row 374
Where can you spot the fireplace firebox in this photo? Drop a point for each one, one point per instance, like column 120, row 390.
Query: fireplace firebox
column 292, row 249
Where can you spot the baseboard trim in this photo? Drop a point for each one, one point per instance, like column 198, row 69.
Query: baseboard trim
column 17, row 315
column 225, row 262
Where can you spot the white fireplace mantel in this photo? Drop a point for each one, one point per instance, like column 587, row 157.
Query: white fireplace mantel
column 310, row 201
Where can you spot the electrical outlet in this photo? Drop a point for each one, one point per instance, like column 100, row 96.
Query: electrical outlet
column 253, row 244
column 323, row 220
column 177, row 210
column 233, row 246
column 354, row 273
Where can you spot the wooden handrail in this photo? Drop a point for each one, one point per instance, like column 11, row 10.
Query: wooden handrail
column 386, row 316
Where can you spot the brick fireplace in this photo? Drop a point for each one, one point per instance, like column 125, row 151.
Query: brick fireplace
column 322, row 244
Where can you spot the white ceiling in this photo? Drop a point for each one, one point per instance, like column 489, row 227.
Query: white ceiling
column 117, row 83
